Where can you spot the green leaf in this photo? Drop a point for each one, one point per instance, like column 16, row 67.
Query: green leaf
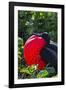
column 42, row 74
column 32, row 68
column 19, row 53
column 25, row 70
column 19, row 57
column 20, row 41
column 28, row 70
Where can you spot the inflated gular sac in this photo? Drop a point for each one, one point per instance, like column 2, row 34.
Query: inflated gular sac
column 32, row 49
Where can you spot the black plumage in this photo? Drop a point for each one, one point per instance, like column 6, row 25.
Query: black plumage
column 49, row 52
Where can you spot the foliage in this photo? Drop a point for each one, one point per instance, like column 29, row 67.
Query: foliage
column 35, row 21
column 32, row 71
column 42, row 74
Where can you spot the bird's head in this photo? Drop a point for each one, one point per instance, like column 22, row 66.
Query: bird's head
column 44, row 35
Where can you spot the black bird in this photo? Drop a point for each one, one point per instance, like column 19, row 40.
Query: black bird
column 49, row 52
